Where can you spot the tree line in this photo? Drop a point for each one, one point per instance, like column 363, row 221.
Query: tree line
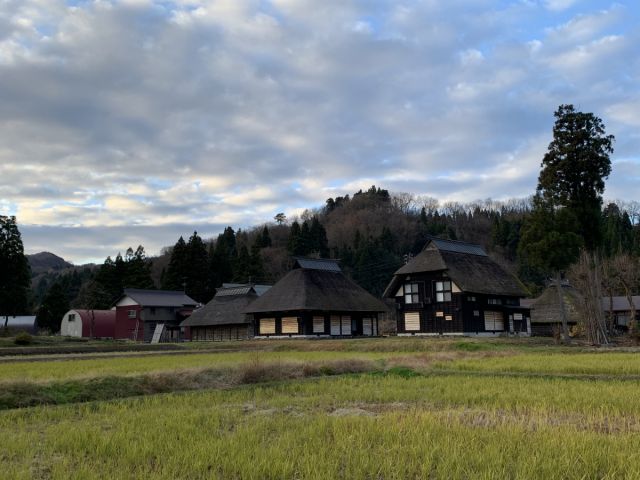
column 373, row 232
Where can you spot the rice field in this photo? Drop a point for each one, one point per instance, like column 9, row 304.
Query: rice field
column 116, row 365
column 462, row 418
column 606, row 363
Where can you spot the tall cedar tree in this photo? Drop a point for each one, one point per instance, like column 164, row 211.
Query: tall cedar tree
column 53, row 308
column 198, row 270
column 15, row 275
column 222, row 258
column 574, row 170
column 137, row 273
column 176, row 274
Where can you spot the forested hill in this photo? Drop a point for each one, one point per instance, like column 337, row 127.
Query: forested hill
column 372, row 232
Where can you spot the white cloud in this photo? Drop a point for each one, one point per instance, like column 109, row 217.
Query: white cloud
column 205, row 113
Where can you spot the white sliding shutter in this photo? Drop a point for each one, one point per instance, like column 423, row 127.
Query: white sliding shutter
column 318, row 324
column 290, row 325
column 346, row 325
column 493, row 321
column 267, row 326
column 412, row 321
column 367, row 327
column 335, row 325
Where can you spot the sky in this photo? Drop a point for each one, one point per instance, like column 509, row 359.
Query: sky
column 127, row 122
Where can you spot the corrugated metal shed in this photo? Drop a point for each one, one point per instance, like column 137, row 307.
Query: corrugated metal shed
column 26, row 323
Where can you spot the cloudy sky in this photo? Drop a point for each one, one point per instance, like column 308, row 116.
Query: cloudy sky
column 135, row 121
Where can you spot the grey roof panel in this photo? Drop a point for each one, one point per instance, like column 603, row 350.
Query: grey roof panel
column 259, row 289
column 325, row 264
column 458, row 247
column 159, row 298
column 232, row 291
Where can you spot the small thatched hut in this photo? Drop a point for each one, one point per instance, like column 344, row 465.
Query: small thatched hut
column 316, row 299
column 224, row 317
column 546, row 317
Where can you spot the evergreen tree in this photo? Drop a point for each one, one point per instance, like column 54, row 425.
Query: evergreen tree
column 264, row 239
column 222, row 258
column 574, row 170
column 138, row 270
column 197, row 274
column 293, row 244
column 15, row 276
column 176, row 273
column 53, row 308
column 242, row 266
column 318, row 238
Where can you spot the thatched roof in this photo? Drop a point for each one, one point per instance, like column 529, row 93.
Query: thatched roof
column 226, row 308
column 316, row 285
column 546, row 308
column 466, row 264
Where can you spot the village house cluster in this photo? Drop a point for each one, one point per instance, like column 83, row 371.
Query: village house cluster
column 450, row 288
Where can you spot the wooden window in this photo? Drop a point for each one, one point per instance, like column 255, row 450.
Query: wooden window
column 494, row 301
column 318, row 324
column 443, row 291
column 412, row 321
column 448, row 318
column 267, row 326
column 471, row 299
column 72, row 317
column 374, row 325
column 411, row 293
column 346, row 325
column 367, row 326
column 439, row 314
column 493, row 321
column 290, row 325
column 335, row 325
column 131, row 313
column 476, row 313
column 517, row 316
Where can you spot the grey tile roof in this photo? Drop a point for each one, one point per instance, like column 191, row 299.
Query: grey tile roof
column 159, row 298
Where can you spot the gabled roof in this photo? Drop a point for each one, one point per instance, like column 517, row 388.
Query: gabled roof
column 466, row 264
column 316, row 285
column 158, row 298
column 227, row 307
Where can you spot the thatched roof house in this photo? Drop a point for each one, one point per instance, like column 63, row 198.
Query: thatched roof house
column 454, row 288
column 314, row 299
column 224, row 317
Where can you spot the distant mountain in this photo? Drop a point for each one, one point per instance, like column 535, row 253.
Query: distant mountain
column 46, row 262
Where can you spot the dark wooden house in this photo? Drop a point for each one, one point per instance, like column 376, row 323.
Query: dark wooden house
column 316, row 299
column 224, row 317
column 454, row 288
